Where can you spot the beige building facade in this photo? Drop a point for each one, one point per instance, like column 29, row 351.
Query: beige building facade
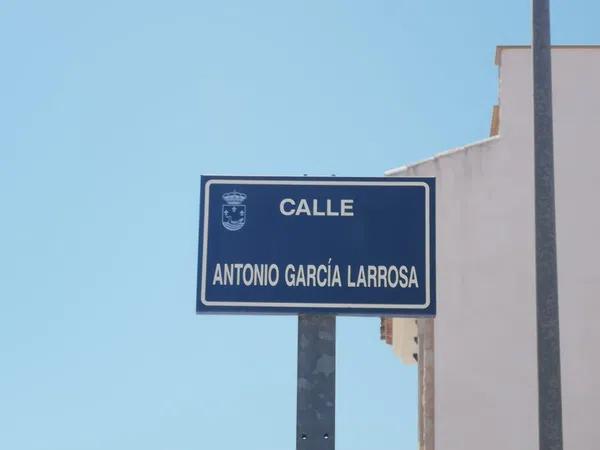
column 477, row 359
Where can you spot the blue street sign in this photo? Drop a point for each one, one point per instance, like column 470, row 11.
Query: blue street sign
column 325, row 245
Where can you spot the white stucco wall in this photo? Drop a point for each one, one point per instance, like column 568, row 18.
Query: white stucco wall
column 485, row 346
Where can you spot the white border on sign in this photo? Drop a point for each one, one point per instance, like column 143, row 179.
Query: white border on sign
column 259, row 303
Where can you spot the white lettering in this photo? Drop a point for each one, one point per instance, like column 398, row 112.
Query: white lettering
column 346, row 206
column 217, row 277
column 372, row 276
column 303, row 208
column 361, row 282
column 288, row 201
column 413, row 277
column 228, row 274
column 350, row 282
column 289, row 207
column 336, row 279
column 273, row 274
column 311, row 275
column 381, row 276
column 290, row 278
column 403, row 277
column 316, row 211
column 330, row 212
column 247, row 274
column 322, row 277
column 238, row 268
column 393, row 270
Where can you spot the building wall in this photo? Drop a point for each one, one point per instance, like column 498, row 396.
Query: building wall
column 485, row 338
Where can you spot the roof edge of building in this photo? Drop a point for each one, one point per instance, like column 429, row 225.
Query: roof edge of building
column 401, row 169
column 500, row 48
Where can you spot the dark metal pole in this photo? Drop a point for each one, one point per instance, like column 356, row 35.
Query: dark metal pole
column 315, row 420
column 548, row 337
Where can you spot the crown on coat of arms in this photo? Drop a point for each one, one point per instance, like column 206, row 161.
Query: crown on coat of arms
column 234, row 198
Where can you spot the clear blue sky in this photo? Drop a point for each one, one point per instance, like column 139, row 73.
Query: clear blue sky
column 109, row 113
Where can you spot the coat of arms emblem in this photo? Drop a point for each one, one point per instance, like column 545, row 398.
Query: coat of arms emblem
column 234, row 213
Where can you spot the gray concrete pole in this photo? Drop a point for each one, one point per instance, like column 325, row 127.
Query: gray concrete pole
column 315, row 420
column 548, row 336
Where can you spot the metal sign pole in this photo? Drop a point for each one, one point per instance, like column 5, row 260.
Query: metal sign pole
column 315, row 419
column 548, row 337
